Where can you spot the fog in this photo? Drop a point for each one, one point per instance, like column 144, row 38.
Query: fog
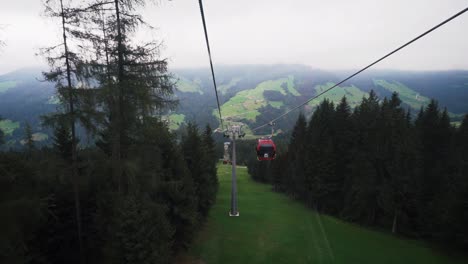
column 333, row 34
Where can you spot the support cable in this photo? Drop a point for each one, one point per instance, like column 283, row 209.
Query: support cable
column 211, row 62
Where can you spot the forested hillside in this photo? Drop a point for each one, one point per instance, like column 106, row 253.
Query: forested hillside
column 114, row 184
column 114, row 151
column 249, row 94
column 377, row 166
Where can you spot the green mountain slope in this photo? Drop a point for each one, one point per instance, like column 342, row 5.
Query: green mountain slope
column 245, row 104
column 175, row 120
column 248, row 94
column 4, row 86
column 272, row 228
column 223, row 88
column 352, row 93
column 188, row 86
column 408, row 96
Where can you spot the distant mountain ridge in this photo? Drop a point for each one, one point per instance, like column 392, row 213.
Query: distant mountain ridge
column 249, row 94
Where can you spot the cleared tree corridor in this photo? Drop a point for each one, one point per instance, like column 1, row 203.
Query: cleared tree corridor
column 273, row 228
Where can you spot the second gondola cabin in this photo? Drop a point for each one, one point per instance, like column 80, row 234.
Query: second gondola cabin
column 266, row 149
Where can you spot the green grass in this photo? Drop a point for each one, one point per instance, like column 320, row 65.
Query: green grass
column 353, row 94
column 4, row 86
column 53, row 99
column 272, row 228
column 40, row 136
column 245, row 104
column 276, row 104
column 291, row 89
column 186, row 85
column 223, row 88
column 36, row 137
column 410, row 97
column 175, row 121
column 456, row 123
column 8, row 126
column 456, row 117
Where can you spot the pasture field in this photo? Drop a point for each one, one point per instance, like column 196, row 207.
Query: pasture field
column 272, row 228
column 8, row 126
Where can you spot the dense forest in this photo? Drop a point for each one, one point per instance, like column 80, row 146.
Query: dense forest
column 138, row 193
column 377, row 166
column 164, row 198
column 26, row 97
column 114, row 183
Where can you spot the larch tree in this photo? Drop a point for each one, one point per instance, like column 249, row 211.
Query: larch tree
column 64, row 71
column 133, row 81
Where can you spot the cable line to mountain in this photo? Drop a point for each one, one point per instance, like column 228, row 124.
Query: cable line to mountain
column 211, row 62
column 365, row 68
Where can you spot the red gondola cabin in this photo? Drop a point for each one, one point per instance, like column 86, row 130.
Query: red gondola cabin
column 266, row 149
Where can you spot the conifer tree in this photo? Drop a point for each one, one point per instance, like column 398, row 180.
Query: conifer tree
column 343, row 146
column 2, row 135
column 434, row 131
column 319, row 164
column 193, row 154
column 64, row 72
column 63, row 141
column 28, row 138
column 397, row 158
column 296, row 152
column 133, row 80
column 362, row 195
column 458, row 213
column 209, row 163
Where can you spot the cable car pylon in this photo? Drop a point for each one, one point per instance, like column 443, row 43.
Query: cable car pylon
column 234, row 132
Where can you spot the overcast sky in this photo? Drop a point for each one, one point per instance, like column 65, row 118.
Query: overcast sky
column 331, row 34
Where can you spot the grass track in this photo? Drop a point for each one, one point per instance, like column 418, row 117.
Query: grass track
column 275, row 229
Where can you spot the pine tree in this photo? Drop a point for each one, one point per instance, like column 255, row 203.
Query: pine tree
column 196, row 158
column 396, row 164
column 142, row 234
column 28, row 138
column 2, row 135
column 343, row 146
column 434, row 131
column 209, row 163
column 280, row 170
column 319, row 162
column 296, row 152
column 458, row 214
column 63, row 141
column 362, row 194
column 163, row 173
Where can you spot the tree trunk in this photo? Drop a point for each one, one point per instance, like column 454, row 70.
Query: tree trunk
column 73, row 132
column 117, row 129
